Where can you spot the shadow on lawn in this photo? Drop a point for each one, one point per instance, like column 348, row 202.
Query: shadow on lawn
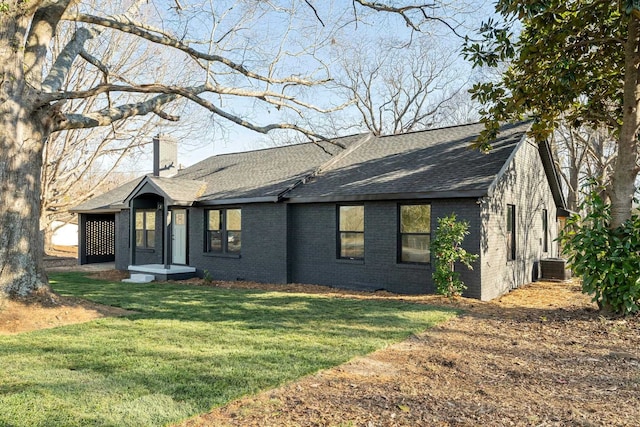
column 254, row 308
column 304, row 313
column 189, row 347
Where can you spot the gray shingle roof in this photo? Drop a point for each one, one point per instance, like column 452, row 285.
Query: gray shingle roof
column 109, row 201
column 178, row 190
column 261, row 173
column 432, row 163
column 437, row 163
column 246, row 175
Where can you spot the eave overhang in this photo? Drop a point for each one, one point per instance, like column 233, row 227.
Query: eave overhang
column 238, row 201
column 552, row 174
column 106, row 210
column 452, row 194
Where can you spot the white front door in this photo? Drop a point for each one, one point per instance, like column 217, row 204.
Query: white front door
column 179, row 236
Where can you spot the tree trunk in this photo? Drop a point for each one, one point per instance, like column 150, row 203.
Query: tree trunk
column 21, row 242
column 625, row 171
column 21, row 143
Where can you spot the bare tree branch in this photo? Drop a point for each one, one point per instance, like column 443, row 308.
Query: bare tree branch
column 404, row 12
column 169, row 117
column 108, row 116
column 96, row 63
column 43, row 28
column 275, row 98
column 65, row 59
column 153, row 105
column 128, row 26
column 314, row 11
column 404, row 90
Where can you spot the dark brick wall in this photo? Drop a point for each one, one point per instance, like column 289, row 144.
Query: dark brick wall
column 523, row 184
column 264, row 246
column 467, row 210
column 122, row 240
column 142, row 256
column 297, row 242
column 313, row 252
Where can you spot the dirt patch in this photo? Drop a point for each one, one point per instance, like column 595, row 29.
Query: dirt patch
column 110, row 275
column 49, row 310
column 36, row 313
column 59, row 261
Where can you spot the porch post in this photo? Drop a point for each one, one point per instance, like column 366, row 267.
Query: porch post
column 132, row 232
column 82, row 239
column 167, row 234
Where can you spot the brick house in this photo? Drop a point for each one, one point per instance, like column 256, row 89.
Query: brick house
column 358, row 213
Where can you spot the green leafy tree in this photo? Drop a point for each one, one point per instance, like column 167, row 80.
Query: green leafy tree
column 447, row 249
column 606, row 258
column 577, row 60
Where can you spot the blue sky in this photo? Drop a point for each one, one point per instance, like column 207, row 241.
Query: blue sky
column 203, row 134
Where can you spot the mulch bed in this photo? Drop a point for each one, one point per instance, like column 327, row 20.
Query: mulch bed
column 539, row 356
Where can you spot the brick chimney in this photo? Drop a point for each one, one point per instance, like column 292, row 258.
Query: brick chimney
column 165, row 155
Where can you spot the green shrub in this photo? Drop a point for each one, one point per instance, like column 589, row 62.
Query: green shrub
column 447, row 250
column 607, row 260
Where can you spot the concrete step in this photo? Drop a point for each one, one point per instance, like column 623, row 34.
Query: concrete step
column 140, row 278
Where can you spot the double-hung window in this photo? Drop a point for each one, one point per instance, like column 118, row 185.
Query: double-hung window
column 351, row 232
column 145, row 229
column 414, row 233
column 224, row 231
column 511, row 232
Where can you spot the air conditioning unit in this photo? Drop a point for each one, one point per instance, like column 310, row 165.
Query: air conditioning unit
column 555, row 269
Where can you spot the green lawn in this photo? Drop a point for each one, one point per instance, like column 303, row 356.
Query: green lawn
column 187, row 350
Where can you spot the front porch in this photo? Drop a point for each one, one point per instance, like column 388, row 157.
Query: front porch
column 160, row 272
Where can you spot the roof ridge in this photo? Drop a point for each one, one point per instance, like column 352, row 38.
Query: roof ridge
column 298, row 144
column 173, row 178
column 429, row 130
column 328, row 164
column 449, row 127
column 342, row 154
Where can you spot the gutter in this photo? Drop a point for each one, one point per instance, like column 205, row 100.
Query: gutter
column 452, row 194
column 238, row 201
column 95, row 211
